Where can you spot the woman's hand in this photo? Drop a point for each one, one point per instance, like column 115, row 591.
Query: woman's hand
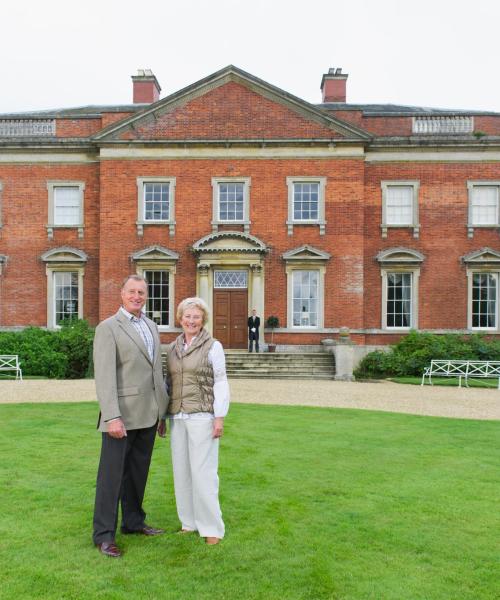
column 218, row 429
column 162, row 428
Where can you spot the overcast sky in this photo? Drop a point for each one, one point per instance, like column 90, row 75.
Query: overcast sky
column 65, row 53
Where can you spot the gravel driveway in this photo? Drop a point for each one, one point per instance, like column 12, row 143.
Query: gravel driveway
column 473, row 403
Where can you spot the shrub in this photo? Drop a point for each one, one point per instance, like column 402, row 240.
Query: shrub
column 75, row 341
column 63, row 354
column 416, row 350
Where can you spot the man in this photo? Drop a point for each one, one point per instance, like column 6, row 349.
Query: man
column 132, row 397
column 253, row 331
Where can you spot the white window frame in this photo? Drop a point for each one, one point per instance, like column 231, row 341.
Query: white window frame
column 470, row 280
column 216, row 221
column 141, row 220
column 320, row 221
column 415, row 273
column 385, row 226
column 51, row 269
column 471, row 186
column 159, row 265
column 158, row 269
column 320, row 269
column 51, row 225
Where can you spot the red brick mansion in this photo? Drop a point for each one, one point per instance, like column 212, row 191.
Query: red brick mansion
column 378, row 218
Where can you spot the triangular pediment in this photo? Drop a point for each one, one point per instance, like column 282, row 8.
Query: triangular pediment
column 306, row 253
column 399, row 256
column 64, row 254
column 484, row 256
column 231, row 105
column 155, row 253
column 229, row 241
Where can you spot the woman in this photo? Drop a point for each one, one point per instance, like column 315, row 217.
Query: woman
column 199, row 401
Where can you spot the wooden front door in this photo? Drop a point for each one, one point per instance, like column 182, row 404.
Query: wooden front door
column 230, row 317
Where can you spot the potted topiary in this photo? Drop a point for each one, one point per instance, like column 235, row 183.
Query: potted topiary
column 272, row 322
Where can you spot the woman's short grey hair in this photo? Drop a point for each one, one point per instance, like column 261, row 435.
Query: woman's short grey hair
column 193, row 303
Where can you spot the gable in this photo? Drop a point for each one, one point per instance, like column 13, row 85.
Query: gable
column 485, row 256
column 230, row 111
column 231, row 105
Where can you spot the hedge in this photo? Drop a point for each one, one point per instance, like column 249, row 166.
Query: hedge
column 62, row 354
column 415, row 351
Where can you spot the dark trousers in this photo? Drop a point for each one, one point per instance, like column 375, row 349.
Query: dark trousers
column 253, row 337
column 121, row 477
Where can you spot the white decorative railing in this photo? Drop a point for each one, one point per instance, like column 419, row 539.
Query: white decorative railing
column 436, row 125
column 27, row 127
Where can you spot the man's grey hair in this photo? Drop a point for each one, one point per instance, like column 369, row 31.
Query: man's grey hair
column 134, row 277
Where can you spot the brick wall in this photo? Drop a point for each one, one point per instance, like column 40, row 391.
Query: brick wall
column 268, row 215
column 443, row 202
column 23, row 239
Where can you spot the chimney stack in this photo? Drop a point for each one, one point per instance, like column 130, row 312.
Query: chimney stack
column 146, row 87
column 333, row 85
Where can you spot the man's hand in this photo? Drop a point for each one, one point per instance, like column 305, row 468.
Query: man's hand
column 218, row 429
column 116, row 429
column 162, row 428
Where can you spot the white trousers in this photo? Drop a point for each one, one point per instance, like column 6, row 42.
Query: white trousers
column 195, row 458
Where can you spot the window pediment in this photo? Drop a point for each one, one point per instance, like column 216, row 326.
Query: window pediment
column 306, row 253
column 64, row 254
column 155, row 253
column 484, row 256
column 399, row 256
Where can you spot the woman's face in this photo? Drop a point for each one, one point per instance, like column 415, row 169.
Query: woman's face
column 192, row 321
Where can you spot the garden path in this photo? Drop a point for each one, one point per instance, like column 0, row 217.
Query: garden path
column 438, row 401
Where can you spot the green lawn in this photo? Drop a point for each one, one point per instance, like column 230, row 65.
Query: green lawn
column 318, row 503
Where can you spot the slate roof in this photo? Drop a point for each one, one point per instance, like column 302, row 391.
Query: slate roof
column 93, row 110
column 400, row 110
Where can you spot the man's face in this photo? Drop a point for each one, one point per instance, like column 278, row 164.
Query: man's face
column 134, row 296
column 254, row 312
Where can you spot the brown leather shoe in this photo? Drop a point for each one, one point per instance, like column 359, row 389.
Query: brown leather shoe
column 211, row 541
column 146, row 530
column 109, row 549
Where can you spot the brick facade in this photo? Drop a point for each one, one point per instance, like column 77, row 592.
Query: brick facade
column 234, row 127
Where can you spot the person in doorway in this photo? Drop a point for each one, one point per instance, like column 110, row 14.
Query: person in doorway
column 132, row 398
column 199, row 401
column 253, row 331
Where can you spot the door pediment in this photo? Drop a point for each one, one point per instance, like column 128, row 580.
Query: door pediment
column 229, row 242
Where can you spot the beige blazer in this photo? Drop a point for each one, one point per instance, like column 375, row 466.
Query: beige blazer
column 128, row 384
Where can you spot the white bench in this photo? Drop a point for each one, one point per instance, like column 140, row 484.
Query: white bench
column 463, row 369
column 10, row 362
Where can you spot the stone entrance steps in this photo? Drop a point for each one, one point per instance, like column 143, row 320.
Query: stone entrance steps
column 280, row 365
